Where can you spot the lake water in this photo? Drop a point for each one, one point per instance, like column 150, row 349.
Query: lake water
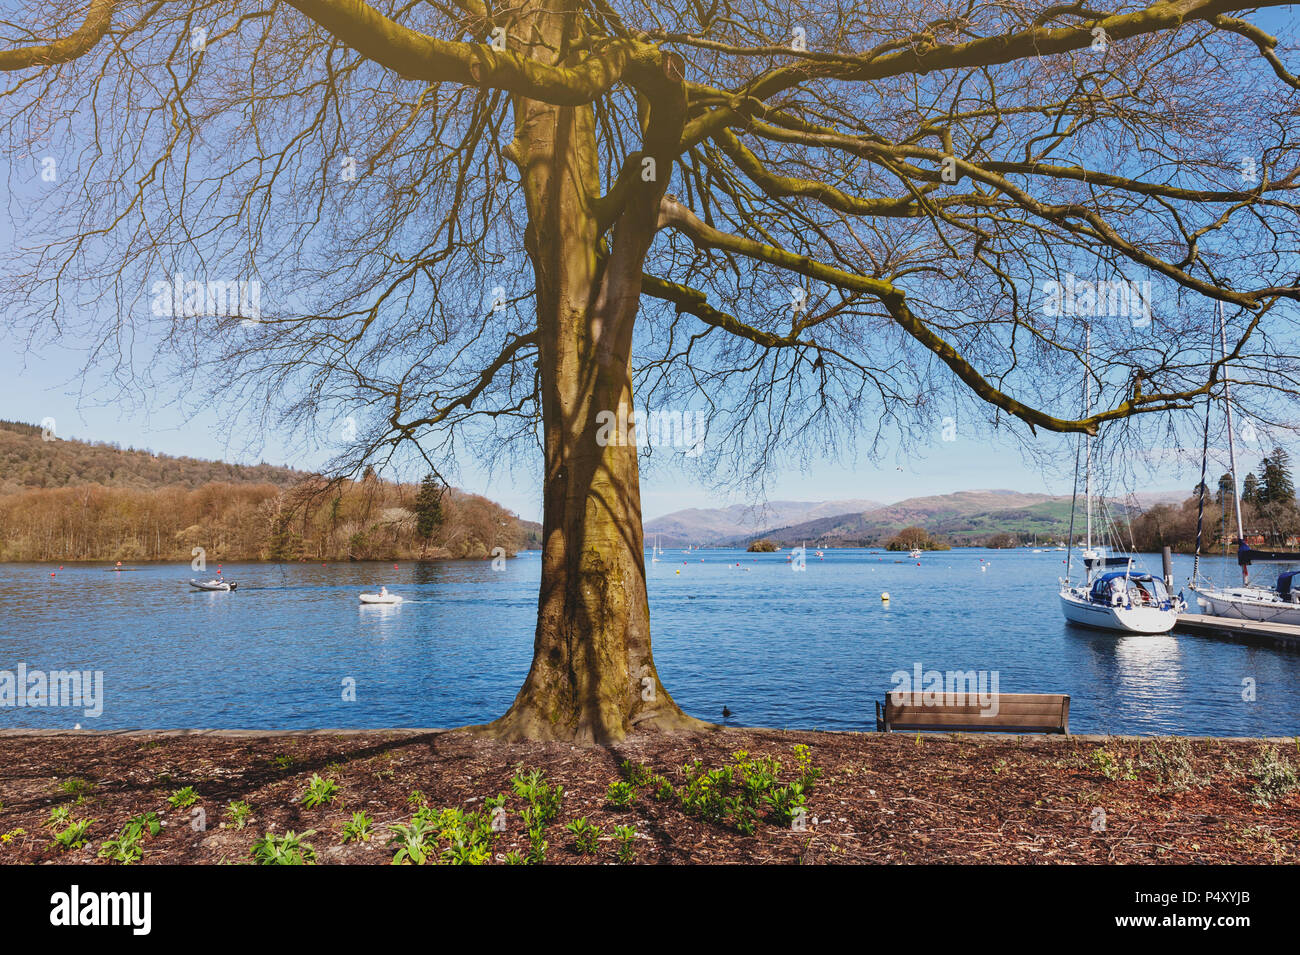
column 779, row 648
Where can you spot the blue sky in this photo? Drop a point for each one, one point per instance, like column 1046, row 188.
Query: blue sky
column 47, row 384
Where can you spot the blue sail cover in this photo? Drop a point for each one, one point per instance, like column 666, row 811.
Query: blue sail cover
column 1247, row 554
column 1154, row 586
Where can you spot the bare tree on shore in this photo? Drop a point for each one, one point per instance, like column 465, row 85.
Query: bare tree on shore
column 458, row 225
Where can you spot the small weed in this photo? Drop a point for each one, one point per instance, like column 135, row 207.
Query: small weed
column 1275, row 777
column 414, row 841
column 74, row 836
column 1114, row 769
column 183, row 798
column 126, row 847
column 76, row 786
column 621, row 795
column 59, row 816
column 638, row 774
column 319, row 792
column 585, row 835
column 543, row 798
column 289, row 849
column 625, row 839
column 358, row 829
column 238, row 811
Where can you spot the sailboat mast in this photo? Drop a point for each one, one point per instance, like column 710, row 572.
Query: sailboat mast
column 1087, row 413
column 1232, row 447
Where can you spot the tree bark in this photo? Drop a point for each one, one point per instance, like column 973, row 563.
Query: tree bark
column 593, row 677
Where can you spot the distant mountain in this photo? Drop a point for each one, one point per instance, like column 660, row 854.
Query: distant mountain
column 30, row 458
column 964, row 517
column 724, row 524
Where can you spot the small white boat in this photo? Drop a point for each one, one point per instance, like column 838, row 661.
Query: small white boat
column 383, row 597
column 213, row 584
column 914, row 553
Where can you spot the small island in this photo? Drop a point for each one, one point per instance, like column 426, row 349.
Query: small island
column 916, row 538
column 762, row 546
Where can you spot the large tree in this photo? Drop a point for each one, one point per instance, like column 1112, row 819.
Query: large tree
column 884, row 217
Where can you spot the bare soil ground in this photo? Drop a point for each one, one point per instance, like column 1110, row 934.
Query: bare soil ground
column 880, row 798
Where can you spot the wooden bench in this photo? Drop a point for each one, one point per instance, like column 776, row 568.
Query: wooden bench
column 1016, row 713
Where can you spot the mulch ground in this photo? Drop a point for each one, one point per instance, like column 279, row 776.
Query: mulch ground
column 880, row 798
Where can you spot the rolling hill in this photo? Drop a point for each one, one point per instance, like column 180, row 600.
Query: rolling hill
column 965, row 517
column 29, row 461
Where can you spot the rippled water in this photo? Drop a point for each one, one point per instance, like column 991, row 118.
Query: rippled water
column 784, row 649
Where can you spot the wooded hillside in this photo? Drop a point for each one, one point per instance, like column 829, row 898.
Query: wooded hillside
column 287, row 515
column 33, row 458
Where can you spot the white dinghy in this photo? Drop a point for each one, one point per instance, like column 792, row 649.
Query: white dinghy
column 213, row 584
column 383, row 597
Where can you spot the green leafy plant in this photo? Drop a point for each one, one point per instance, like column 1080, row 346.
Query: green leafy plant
column 537, row 844
column 238, row 811
column 621, row 795
column 358, row 829
column 414, row 841
column 183, row 798
column 808, row 773
column 76, row 786
column 1112, row 767
column 1275, row 777
column 1172, row 763
column 638, row 774
column 469, row 835
column 783, row 803
column 126, row 846
column 74, row 836
column 319, row 792
column 585, row 835
column 59, row 816
column 625, row 840
column 663, row 790
column 544, row 799
column 288, row 849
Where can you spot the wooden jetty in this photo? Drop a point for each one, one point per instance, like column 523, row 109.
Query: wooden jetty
column 1248, row 631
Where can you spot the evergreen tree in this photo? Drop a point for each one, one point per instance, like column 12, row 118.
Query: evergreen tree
column 1250, row 490
column 428, row 506
column 1224, row 492
column 1276, row 486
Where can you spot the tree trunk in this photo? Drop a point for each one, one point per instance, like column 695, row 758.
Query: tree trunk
column 593, row 678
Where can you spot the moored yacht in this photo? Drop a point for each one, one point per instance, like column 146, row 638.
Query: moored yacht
column 1277, row 604
column 1113, row 595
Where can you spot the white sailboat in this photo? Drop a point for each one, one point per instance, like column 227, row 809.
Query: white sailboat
column 1126, row 600
column 655, row 551
column 1277, row 604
